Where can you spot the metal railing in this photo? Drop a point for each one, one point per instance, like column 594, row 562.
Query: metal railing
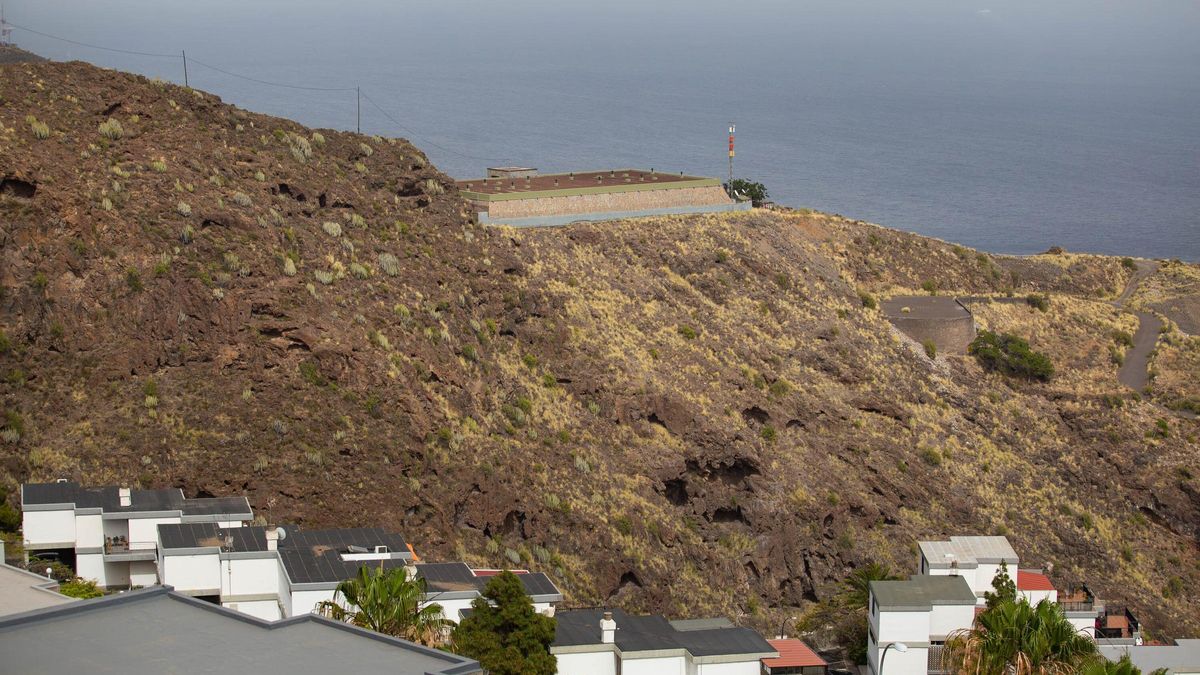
column 934, row 662
column 122, row 545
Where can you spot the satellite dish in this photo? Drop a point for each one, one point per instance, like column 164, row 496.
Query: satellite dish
column 282, row 533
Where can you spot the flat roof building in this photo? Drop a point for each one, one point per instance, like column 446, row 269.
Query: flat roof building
column 156, row 630
column 23, row 591
column 521, row 197
column 608, row 642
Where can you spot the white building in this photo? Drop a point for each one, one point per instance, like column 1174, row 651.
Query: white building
column 978, row 559
column 611, row 642
column 918, row 613
column 277, row 572
column 109, row 534
column 1181, row 658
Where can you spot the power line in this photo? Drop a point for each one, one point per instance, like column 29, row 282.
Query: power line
column 91, row 46
column 267, row 82
column 427, row 142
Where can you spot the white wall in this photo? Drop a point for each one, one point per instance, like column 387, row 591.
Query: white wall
column 945, row 619
column 749, row 667
column 116, row 528
column 904, row 627
column 1086, row 625
column 49, row 527
column 304, row 601
column 263, row 609
column 143, row 573
column 590, row 663
column 91, row 566
column 669, row 665
column 915, row 661
column 192, row 572
column 116, row 574
column 143, row 532
column 253, row 576
column 451, row 608
column 89, row 531
column 1034, row 597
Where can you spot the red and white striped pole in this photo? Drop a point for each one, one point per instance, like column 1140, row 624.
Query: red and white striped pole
column 732, row 128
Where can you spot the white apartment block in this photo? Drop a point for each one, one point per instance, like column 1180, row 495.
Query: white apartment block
column 279, row 572
column 110, row 534
column 919, row 614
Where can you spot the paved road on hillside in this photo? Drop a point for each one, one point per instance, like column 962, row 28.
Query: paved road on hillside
column 1135, row 372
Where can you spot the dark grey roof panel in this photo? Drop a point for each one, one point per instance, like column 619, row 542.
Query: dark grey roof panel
column 108, row 498
column 645, row 633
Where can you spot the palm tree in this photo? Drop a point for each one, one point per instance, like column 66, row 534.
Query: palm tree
column 858, row 584
column 390, row 602
column 1016, row 638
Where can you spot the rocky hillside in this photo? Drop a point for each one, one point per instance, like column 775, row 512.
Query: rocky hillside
column 690, row 415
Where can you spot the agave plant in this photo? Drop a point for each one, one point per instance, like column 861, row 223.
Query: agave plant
column 388, row 601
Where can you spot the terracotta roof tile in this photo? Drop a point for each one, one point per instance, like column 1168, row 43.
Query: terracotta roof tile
column 793, row 653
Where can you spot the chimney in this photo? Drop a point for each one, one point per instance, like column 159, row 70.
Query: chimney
column 125, row 496
column 608, row 629
column 272, row 538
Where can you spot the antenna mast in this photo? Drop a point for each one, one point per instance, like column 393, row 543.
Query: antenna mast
column 732, row 128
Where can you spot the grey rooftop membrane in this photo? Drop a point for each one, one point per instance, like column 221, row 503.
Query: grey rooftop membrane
column 159, row 631
column 922, row 592
column 968, row 552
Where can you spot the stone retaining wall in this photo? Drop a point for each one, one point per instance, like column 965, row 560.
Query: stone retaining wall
column 637, row 200
column 952, row 336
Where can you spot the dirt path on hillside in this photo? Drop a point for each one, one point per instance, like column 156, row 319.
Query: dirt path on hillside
column 1135, row 371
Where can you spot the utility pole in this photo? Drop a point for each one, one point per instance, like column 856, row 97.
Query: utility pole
column 732, row 128
column 185, row 78
column 358, row 109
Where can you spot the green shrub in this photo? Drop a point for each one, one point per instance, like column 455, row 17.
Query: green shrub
column 1122, row 338
column 84, row 589
column 930, row 348
column 868, row 300
column 932, row 457
column 41, row 130
column 930, row 286
column 1038, row 301
column 1010, row 355
column 1129, row 264
column 133, row 279
column 111, row 129
column 688, row 332
column 5, row 343
column 768, row 433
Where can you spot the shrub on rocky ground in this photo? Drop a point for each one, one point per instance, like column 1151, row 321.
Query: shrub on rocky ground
column 1011, row 355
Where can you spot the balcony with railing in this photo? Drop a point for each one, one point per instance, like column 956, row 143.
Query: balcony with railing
column 1079, row 599
column 934, row 663
column 119, row 548
column 1117, row 623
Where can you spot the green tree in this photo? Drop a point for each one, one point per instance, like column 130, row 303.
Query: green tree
column 1016, row 638
column 1003, row 588
column 504, row 633
column 1011, row 355
column 390, row 602
column 756, row 192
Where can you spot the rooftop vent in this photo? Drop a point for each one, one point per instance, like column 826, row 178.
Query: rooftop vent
column 125, row 496
column 351, row 548
column 608, row 629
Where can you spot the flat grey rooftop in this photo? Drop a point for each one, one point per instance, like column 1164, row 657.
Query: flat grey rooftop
column 581, row 627
column 22, row 591
column 922, row 592
column 156, row 631
column 967, row 552
column 923, row 307
column 107, row 498
column 1182, row 657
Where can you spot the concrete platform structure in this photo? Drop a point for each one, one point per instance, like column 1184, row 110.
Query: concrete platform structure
column 520, row 197
column 943, row 320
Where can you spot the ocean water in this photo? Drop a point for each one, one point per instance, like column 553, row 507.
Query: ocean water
column 1008, row 126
